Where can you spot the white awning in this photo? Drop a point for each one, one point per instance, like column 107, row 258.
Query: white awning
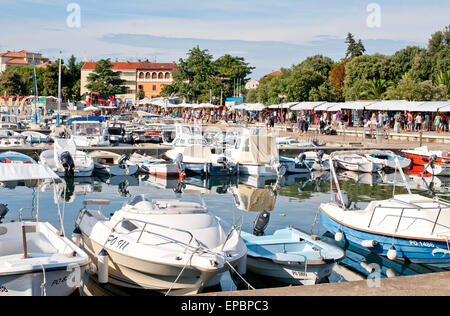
column 324, row 107
column 393, row 105
column 21, row 172
column 357, row 105
column 307, row 106
column 257, row 107
column 283, row 105
column 433, row 106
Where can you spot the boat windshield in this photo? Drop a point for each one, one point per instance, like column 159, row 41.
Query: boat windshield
column 87, row 129
column 138, row 199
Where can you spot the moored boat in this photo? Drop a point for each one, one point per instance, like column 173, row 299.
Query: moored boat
column 291, row 256
column 163, row 245
column 112, row 164
column 358, row 163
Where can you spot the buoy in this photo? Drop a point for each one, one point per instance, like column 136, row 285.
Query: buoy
column 369, row 243
column 76, row 237
column 391, row 273
column 392, row 253
column 339, row 237
column 368, row 267
column 103, row 267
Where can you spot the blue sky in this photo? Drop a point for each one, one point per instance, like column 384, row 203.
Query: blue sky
column 269, row 34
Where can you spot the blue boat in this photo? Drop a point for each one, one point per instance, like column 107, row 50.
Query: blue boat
column 407, row 227
column 366, row 263
column 291, row 256
column 87, row 119
column 17, row 158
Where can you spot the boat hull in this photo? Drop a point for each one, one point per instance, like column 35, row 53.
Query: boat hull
column 290, row 274
column 209, row 169
column 257, row 170
column 429, row 252
column 135, row 273
column 127, row 170
column 57, row 283
column 160, row 170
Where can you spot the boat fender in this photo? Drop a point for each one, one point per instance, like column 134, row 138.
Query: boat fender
column 261, row 223
column 103, row 267
column 391, row 273
column 339, row 237
column 392, row 253
column 369, row 243
column 76, row 237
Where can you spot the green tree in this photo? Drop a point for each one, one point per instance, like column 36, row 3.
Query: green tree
column 105, row 81
column 354, row 49
column 411, row 90
column 141, row 94
column 12, row 83
column 444, row 79
column 377, row 89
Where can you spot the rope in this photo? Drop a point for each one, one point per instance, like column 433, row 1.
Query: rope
column 182, row 270
column 240, row 276
column 43, row 291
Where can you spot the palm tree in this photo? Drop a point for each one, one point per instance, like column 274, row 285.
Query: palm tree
column 376, row 89
column 444, row 79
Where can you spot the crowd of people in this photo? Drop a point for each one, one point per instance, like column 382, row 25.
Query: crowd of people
column 398, row 121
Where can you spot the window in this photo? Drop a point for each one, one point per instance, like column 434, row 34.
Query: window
column 160, row 76
column 154, row 87
column 154, row 76
column 147, row 75
column 141, row 75
column 167, row 75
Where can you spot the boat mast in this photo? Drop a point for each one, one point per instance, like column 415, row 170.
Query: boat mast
column 59, row 91
column 35, row 91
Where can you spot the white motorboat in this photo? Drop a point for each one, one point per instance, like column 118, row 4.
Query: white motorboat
column 155, row 167
column 35, row 258
column 10, row 138
column 163, row 245
column 9, row 121
column 436, row 162
column 358, row 163
column 408, row 227
column 317, row 161
column 257, row 154
column 89, row 133
column 35, row 137
column 388, row 161
column 202, row 160
column 66, row 160
column 111, row 164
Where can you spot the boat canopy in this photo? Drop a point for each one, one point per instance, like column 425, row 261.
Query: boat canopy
column 87, row 119
column 22, row 172
column 258, row 149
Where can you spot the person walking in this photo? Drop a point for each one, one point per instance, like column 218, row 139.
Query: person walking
column 437, row 123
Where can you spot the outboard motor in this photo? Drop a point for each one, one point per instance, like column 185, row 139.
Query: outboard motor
column 124, row 158
column 261, row 223
column 68, row 164
column 301, row 159
column 345, row 199
column 320, row 155
column 3, row 211
column 180, row 165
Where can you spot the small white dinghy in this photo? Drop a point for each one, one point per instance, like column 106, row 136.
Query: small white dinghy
column 355, row 162
column 35, row 258
column 168, row 246
column 388, row 161
column 111, row 164
column 155, row 167
column 66, row 160
column 291, row 256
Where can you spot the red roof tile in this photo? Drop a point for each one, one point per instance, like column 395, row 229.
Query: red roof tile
column 116, row 65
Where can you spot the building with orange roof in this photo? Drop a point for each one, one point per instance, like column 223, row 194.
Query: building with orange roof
column 21, row 58
column 152, row 77
column 144, row 75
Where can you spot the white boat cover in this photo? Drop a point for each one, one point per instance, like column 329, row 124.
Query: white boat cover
column 21, row 172
column 307, row 106
column 257, row 149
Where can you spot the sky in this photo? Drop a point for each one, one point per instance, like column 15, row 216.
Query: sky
column 269, row 34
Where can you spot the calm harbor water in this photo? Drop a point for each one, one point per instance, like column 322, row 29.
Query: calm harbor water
column 293, row 201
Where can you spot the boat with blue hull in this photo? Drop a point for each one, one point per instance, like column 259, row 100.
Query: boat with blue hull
column 363, row 262
column 408, row 227
column 16, row 158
